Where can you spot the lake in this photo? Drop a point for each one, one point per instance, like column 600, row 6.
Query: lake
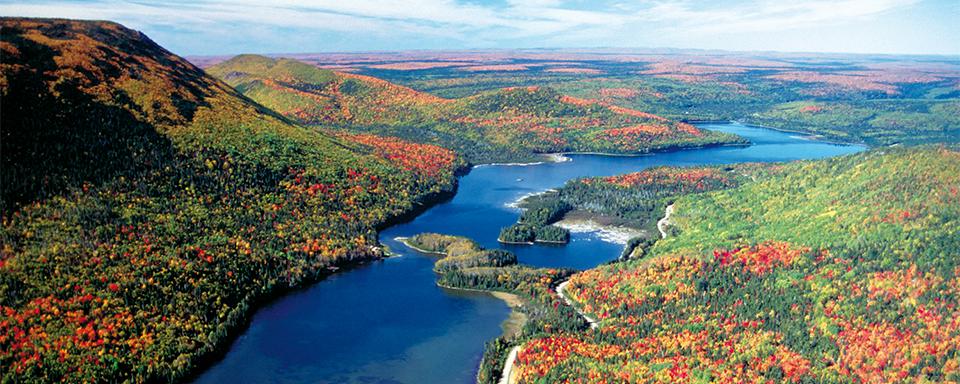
column 387, row 321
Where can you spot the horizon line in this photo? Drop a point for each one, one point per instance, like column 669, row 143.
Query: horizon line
column 955, row 56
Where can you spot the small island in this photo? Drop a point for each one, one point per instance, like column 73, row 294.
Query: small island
column 538, row 307
column 535, row 224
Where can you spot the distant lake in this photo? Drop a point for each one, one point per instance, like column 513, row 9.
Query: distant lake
column 387, row 321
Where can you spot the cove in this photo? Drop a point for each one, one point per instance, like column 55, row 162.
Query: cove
column 387, row 321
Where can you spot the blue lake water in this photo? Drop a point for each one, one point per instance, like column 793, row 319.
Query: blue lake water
column 387, row 321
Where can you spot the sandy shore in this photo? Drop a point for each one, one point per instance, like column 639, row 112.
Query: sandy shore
column 516, row 320
column 609, row 233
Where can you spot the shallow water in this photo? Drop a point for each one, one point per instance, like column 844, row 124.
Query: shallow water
column 387, row 322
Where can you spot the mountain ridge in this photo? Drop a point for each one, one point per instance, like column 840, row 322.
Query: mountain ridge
column 520, row 121
column 149, row 207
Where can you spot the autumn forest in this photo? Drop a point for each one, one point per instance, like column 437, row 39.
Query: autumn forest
column 787, row 217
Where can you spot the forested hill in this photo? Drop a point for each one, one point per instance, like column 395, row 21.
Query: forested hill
column 840, row 270
column 146, row 205
column 634, row 200
column 500, row 125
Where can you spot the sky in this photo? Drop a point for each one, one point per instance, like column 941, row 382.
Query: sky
column 219, row 27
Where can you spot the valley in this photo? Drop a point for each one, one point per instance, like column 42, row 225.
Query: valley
column 563, row 215
column 444, row 331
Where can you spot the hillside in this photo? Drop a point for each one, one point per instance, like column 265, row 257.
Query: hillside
column 873, row 121
column 872, row 99
column 840, row 270
column 147, row 207
column 499, row 125
column 634, row 200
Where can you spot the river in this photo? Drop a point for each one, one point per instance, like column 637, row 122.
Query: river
column 387, row 322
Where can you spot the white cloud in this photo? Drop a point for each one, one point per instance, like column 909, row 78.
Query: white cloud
column 470, row 24
column 766, row 15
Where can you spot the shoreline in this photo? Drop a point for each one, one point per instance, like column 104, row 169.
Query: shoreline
column 550, row 242
column 616, row 234
column 514, row 322
column 533, row 242
column 554, row 157
column 406, row 241
column 240, row 318
column 516, row 203
column 501, row 241
column 807, row 135
column 812, row 136
column 562, row 157
column 512, row 300
column 707, row 121
column 660, row 150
